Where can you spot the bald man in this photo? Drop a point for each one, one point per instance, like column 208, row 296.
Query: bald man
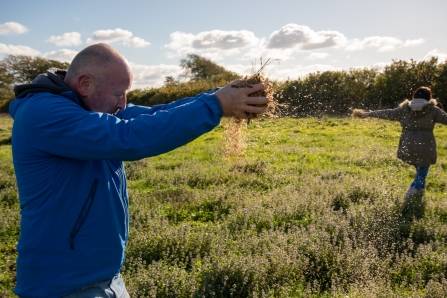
column 72, row 131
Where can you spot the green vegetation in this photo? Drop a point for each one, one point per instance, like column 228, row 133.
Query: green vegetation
column 312, row 209
column 198, row 68
column 335, row 92
column 9, row 210
column 316, row 94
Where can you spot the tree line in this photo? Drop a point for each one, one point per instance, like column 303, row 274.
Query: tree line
column 316, row 94
column 336, row 92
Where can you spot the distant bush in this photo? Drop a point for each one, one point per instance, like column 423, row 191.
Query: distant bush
column 326, row 93
column 336, row 92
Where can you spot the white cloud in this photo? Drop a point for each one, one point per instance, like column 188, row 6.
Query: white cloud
column 383, row 44
column 118, row 34
column 152, row 76
column 298, row 37
column 180, row 40
column 67, row 39
column 9, row 28
column 413, row 42
column 314, row 56
column 292, row 38
column 373, row 41
column 109, row 36
column 435, row 53
column 223, row 40
column 64, row 55
column 387, row 48
column 18, row 50
column 215, row 44
column 136, row 42
column 283, row 43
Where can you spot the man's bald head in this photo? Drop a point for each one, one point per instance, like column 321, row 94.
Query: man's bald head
column 98, row 60
column 101, row 78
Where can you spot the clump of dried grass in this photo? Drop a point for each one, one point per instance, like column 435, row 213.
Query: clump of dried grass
column 234, row 138
column 357, row 113
column 259, row 77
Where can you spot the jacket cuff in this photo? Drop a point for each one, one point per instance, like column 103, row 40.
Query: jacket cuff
column 213, row 102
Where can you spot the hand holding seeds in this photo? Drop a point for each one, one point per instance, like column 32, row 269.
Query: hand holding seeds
column 359, row 113
column 236, row 102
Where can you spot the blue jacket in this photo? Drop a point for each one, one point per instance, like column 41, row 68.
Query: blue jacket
column 72, row 183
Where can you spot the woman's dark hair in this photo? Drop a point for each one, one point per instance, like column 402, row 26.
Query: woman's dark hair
column 422, row 92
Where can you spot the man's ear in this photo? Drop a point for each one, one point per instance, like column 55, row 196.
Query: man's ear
column 84, row 84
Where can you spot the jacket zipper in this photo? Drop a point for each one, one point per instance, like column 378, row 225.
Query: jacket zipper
column 84, row 212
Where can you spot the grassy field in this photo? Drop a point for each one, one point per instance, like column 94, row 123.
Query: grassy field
column 312, row 208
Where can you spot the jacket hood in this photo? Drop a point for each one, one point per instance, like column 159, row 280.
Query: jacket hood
column 405, row 105
column 52, row 82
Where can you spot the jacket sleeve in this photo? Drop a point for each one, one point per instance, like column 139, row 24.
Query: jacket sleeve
column 133, row 111
column 440, row 116
column 390, row 114
column 63, row 128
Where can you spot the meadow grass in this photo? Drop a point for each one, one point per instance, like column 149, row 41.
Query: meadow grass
column 311, row 208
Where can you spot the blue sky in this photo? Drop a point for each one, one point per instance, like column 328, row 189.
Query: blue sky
column 307, row 36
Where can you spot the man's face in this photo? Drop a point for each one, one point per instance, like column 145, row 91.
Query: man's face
column 109, row 93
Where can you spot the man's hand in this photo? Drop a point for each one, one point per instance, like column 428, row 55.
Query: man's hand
column 236, row 102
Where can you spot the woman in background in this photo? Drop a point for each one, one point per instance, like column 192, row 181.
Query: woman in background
column 417, row 144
